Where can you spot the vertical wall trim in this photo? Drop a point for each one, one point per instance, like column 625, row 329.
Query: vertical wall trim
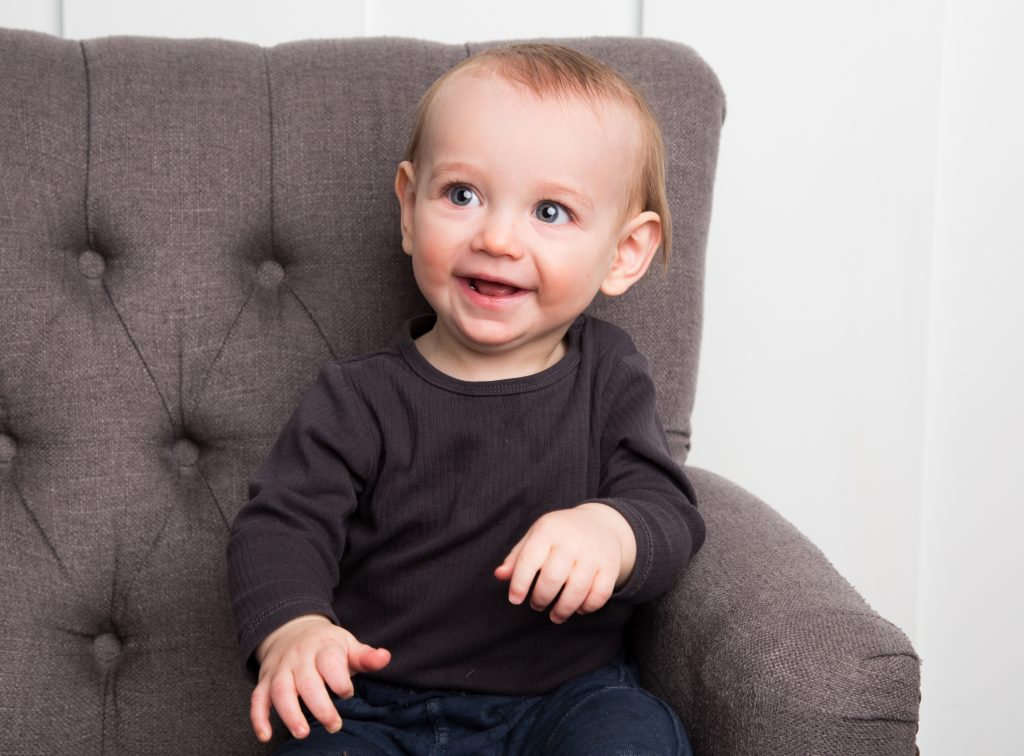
column 928, row 419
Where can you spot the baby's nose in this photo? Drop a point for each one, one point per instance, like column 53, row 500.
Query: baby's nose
column 500, row 235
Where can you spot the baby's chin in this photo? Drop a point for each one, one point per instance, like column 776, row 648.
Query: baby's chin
column 525, row 352
column 501, row 337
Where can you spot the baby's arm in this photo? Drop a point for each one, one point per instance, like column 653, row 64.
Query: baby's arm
column 634, row 538
column 284, row 553
column 585, row 552
column 298, row 660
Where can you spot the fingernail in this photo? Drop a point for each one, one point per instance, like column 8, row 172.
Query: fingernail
column 263, row 735
column 336, row 727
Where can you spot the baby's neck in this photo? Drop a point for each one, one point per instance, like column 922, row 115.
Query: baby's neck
column 465, row 364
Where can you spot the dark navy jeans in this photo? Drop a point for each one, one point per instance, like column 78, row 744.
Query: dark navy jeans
column 603, row 713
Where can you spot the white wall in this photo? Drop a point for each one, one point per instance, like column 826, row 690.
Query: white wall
column 862, row 352
column 460, row 21
column 264, row 22
column 812, row 372
column 971, row 611
column 268, row 22
column 40, row 15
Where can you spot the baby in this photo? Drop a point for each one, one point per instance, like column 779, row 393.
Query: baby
column 448, row 538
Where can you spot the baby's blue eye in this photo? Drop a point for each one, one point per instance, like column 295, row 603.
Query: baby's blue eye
column 552, row 212
column 463, row 196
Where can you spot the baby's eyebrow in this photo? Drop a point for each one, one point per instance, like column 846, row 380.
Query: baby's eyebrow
column 455, row 166
column 555, row 189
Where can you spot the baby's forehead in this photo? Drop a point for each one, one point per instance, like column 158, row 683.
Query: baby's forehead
column 497, row 82
column 473, row 85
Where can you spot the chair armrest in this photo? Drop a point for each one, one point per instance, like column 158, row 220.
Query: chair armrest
column 762, row 647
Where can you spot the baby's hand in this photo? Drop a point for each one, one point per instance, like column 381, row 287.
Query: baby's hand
column 584, row 552
column 297, row 659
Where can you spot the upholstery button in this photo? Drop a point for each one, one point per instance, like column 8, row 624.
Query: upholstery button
column 106, row 648
column 185, row 452
column 7, row 449
column 91, row 264
column 269, row 274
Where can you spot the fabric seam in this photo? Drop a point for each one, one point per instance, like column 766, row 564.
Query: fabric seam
column 89, row 237
column 270, row 115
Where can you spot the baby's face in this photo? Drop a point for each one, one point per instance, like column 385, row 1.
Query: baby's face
column 515, row 209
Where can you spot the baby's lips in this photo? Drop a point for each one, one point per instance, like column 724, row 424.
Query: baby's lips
column 493, row 288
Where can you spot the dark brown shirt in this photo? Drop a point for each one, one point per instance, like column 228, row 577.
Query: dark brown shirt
column 395, row 490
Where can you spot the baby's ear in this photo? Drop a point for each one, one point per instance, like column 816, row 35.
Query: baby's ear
column 638, row 242
column 405, row 188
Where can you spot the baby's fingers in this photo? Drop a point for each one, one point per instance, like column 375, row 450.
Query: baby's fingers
column 578, row 587
column 311, row 687
column 259, row 712
column 506, row 568
column 531, row 558
column 554, row 577
column 332, row 664
column 600, row 592
column 284, row 696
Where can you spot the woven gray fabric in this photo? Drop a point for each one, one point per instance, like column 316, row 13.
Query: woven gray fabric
column 764, row 648
column 188, row 230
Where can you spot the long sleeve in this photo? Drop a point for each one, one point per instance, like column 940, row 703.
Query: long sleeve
column 394, row 491
column 642, row 482
column 286, row 542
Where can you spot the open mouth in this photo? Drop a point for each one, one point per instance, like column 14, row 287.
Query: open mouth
column 492, row 288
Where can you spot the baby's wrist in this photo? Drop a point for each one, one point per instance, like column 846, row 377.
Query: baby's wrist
column 623, row 531
column 284, row 629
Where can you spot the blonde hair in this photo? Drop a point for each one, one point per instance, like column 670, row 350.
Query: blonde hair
column 547, row 70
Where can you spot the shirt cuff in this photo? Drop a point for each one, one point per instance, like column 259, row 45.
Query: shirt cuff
column 643, row 562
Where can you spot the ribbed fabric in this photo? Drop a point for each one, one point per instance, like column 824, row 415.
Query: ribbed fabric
column 395, row 490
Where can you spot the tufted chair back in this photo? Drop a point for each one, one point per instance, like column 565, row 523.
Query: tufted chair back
column 189, row 229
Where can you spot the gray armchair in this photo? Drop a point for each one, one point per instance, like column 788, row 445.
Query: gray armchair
column 188, row 230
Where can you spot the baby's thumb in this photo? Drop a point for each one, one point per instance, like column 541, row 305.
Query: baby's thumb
column 505, row 569
column 365, row 658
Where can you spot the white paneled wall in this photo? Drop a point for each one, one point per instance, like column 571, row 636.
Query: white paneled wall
column 264, row 22
column 267, row 22
column 971, row 608
column 862, row 366
column 813, row 363
column 39, row 15
column 458, row 21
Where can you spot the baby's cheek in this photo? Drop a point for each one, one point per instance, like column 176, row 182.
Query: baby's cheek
column 568, row 288
column 432, row 259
